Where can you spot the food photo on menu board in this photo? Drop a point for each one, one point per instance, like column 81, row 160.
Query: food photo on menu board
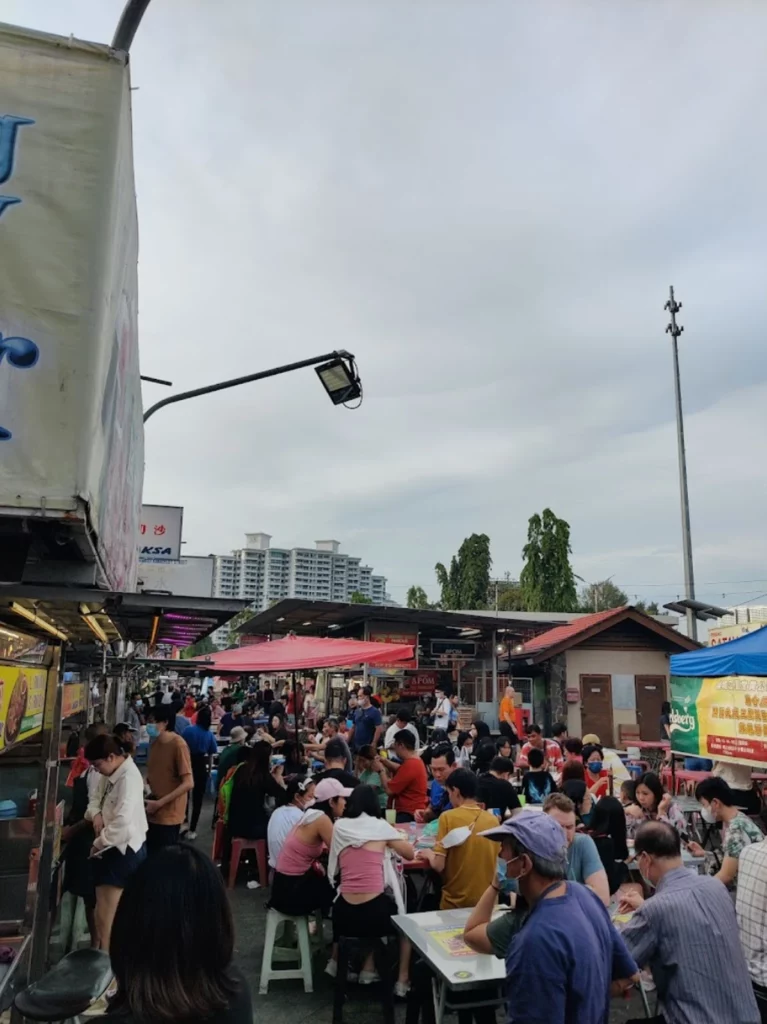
column 22, row 697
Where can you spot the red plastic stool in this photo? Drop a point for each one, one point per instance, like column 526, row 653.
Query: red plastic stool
column 238, row 847
column 218, row 842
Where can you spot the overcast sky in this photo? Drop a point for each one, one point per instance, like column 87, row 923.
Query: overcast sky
column 486, row 202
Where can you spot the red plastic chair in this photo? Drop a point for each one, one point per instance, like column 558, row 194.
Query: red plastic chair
column 218, row 842
column 238, row 848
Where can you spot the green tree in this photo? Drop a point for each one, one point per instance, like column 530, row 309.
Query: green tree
column 466, row 585
column 648, row 609
column 505, row 595
column 233, row 637
column 204, row 646
column 598, row 597
column 547, row 579
column 418, row 598
column 358, row 598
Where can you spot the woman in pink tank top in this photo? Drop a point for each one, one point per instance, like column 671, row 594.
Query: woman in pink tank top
column 300, row 885
column 363, row 909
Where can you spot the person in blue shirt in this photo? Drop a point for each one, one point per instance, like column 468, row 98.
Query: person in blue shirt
column 368, row 724
column 202, row 747
column 567, row 960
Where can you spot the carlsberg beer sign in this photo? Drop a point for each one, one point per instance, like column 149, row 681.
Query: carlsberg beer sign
column 724, row 718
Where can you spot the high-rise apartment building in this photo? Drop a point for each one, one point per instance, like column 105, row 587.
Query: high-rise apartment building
column 262, row 574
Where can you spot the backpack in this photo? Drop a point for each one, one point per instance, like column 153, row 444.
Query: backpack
column 225, row 794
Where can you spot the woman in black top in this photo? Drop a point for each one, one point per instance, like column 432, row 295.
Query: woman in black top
column 172, row 944
column 607, row 828
column 252, row 783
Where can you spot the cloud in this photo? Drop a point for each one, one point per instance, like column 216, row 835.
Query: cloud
column 486, row 204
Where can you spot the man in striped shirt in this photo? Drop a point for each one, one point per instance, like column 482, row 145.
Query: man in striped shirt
column 751, row 908
column 688, row 935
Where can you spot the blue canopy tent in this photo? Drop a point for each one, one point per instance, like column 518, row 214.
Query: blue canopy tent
column 746, row 656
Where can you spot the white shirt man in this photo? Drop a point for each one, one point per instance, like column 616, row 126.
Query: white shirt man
column 441, row 711
column 392, row 731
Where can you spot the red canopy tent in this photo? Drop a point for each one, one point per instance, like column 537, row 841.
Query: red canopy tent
column 297, row 652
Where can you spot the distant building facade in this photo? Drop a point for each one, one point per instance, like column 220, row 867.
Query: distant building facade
column 262, row 575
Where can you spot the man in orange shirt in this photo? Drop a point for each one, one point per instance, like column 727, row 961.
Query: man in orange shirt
column 507, row 716
column 407, row 783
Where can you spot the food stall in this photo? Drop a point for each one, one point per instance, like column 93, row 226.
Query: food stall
column 54, row 675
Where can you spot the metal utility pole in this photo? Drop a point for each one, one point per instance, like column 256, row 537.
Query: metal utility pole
column 674, row 330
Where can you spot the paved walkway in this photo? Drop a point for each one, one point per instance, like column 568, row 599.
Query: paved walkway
column 286, row 1001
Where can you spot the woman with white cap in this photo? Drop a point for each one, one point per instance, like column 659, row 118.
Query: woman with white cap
column 300, row 885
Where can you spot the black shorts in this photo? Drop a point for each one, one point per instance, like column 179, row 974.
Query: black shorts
column 368, row 920
column 115, row 868
column 301, row 895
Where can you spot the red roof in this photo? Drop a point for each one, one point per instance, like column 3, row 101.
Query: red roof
column 570, row 631
column 297, row 652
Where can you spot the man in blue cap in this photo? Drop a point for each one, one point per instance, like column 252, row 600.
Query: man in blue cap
column 563, row 955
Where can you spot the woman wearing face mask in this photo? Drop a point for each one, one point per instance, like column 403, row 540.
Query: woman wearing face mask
column 597, row 776
column 169, row 777
column 652, row 804
column 120, row 825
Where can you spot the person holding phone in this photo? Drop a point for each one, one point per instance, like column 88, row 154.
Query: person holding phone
column 120, row 825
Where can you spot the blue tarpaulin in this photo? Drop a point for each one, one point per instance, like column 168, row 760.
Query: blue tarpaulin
column 746, row 656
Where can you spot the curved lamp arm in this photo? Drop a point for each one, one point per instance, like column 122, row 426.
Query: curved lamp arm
column 130, row 19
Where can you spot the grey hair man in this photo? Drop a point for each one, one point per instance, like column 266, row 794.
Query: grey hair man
column 568, row 957
column 688, row 935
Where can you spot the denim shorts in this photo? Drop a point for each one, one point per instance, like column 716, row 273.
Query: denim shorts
column 115, row 868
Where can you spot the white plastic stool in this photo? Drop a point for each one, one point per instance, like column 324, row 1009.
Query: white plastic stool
column 304, row 970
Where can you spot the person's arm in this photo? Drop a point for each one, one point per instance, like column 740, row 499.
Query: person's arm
column 728, row 872
column 397, row 783
column 639, row 936
column 523, row 755
column 475, row 929
column 118, row 830
column 436, row 858
column 95, row 800
column 403, row 848
column 186, row 784
column 625, row 972
column 377, row 734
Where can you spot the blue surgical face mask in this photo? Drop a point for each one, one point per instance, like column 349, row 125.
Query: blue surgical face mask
column 152, row 730
column 594, row 766
column 504, row 883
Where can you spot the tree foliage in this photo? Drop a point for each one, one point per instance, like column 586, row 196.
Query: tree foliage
column 233, row 637
column 358, row 598
column 418, row 598
column 204, row 646
column 506, row 595
column 547, row 579
column 648, row 609
column 465, row 585
column 598, row 597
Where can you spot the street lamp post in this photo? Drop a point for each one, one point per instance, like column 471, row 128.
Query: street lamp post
column 674, row 330
column 338, row 376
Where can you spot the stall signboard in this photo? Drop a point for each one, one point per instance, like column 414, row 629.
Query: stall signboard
column 160, row 533
column 72, row 699
column 724, row 718
column 387, row 637
column 22, row 700
column 419, row 685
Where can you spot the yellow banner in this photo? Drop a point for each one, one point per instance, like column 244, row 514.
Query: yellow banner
column 72, row 699
column 22, row 700
column 724, row 718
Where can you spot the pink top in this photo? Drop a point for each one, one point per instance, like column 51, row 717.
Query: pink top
column 361, row 870
column 295, row 857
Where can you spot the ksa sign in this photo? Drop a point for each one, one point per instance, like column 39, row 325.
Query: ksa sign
column 160, row 533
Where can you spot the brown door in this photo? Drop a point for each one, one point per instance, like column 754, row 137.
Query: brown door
column 651, row 692
column 597, row 708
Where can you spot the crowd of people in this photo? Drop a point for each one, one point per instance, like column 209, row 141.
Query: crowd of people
column 546, row 824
